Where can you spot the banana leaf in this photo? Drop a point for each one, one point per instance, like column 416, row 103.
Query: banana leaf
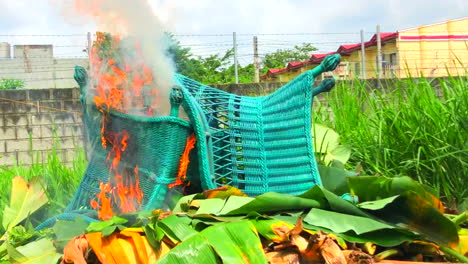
column 411, row 211
column 235, row 242
column 38, row 252
column 26, row 198
column 371, row 188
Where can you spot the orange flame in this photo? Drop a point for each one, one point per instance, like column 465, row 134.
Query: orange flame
column 104, row 209
column 112, row 87
column 184, row 162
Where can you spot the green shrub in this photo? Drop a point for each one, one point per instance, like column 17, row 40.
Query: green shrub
column 7, row 84
column 409, row 129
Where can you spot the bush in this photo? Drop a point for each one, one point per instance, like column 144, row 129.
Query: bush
column 416, row 127
column 8, row 84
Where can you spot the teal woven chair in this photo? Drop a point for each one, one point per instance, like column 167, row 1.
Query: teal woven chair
column 257, row 144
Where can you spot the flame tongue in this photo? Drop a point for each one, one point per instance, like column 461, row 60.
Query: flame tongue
column 112, row 84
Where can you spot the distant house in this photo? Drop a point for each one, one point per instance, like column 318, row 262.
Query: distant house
column 434, row 50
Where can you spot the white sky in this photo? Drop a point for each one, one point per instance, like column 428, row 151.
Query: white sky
column 246, row 17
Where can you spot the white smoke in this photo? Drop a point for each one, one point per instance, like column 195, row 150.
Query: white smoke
column 134, row 19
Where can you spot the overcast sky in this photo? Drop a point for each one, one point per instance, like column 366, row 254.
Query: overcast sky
column 192, row 17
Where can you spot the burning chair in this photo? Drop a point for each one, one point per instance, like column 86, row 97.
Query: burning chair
column 256, row 144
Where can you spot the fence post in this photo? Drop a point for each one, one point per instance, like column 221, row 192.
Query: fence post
column 256, row 62
column 363, row 56
column 234, row 40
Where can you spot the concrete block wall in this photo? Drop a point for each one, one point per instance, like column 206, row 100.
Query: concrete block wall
column 32, row 121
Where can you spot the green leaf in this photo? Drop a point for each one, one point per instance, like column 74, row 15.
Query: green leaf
column 325, row 138
column 335, row 179
column 236, row 242
column 108, row 230
column 383, row 237
column 327, row 145
column 342, row 223
column 266, row 228
column 212, row 206
column 182, row 204
column 371, row 188
column 66, row 230
column 26, row 198
column 100, row 226
column 177, row 228
column 340, row 153
column 333, row 202
column 154, row 233
column 263, row 204
column 410, row 210
column 37, row 252
column 377, row 204
column 196, row 249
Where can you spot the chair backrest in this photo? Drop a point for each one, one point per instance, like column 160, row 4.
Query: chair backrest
column 257, row 144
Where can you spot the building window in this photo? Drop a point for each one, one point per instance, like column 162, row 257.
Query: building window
column 357, row 69
column 393, row 59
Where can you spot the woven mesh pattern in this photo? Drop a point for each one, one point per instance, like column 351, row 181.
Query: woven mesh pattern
column 257, row 144
column 155, row 144
column 260, row 144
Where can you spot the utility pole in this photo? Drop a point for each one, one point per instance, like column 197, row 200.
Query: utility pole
column 236, row 74
column 88, row 49
column 89, row 44
column 256, row 62
column 379, row 54
column 363, row 56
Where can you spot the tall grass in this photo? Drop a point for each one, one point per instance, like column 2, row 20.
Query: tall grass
column 414, row 128
column 60, row 180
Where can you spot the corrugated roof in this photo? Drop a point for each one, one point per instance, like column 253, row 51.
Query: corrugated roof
column 344, row 50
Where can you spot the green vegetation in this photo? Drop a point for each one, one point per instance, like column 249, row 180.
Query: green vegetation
column 7, row 84
column 281, row 57
column 58, row 179
column 219, row 69
column 406, row 131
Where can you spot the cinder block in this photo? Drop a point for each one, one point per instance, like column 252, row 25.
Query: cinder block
column 69, row 143
column 2, row 147
column 42, row 144
column 39, row 94
column 41, row 119
column 7, row 107
column 26, row 158
column 19, row 95
column 72, row 105
column 70, row 130
column 17, row 145
column 16, row 120
column 26, row 132
column 23, row 108
column 76, row 93
column 53, row 106
column 62, row 93
column 51, row 131
column 64, row 118
column 7, row 133
column 8, row 159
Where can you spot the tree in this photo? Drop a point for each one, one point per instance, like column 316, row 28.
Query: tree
column 214, row 69
column 281, row 57
column 219, row 68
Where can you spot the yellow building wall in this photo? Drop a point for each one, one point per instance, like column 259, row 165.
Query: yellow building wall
column 434, row 57
column 415, row 58
column 289, row 75
column 371, row 61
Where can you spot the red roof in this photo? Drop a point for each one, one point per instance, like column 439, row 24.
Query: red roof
column 342, row 50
